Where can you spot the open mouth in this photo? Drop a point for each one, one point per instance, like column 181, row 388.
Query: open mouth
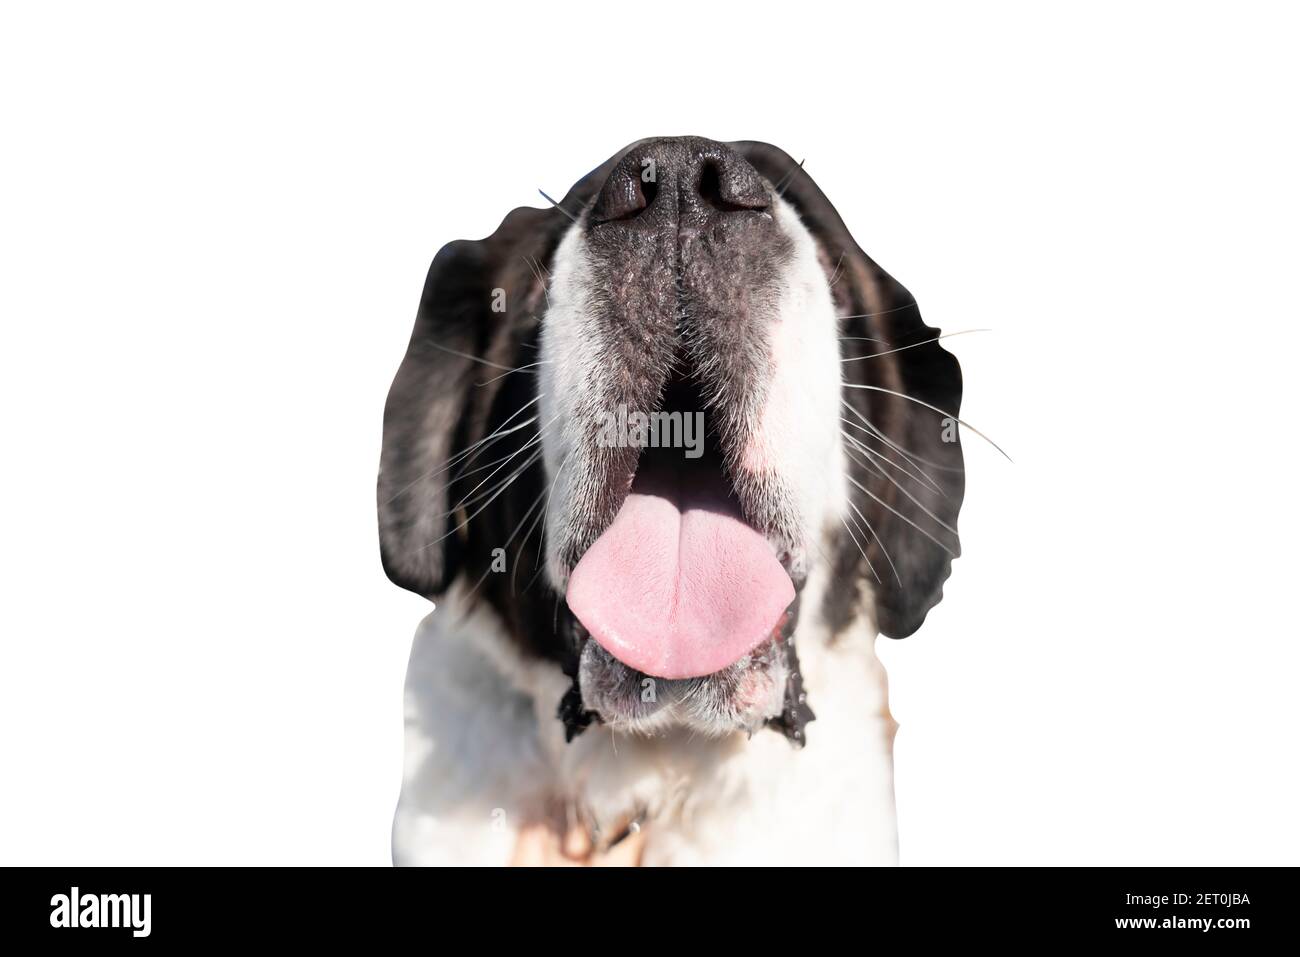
column 679, row 585
column 685, row 610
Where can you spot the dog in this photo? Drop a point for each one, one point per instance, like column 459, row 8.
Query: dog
column 651, row 643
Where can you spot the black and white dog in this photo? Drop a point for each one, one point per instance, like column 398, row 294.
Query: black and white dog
column 631, row 632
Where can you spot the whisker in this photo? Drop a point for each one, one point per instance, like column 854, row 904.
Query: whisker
column 932, row 408
column 890, row 352
column 535, row 440
column 466, row 355
column 498, row 434
column 473, row 450
column 835, row 273
column 884, row 312
column 862, row 551
column 537, row 274
column 858, row 444
column 891, row 508
column 470, row 498
column 481, row 579
column 504, row 485
column 879, row 541
column 529, row 534
column 504, row 458
column 573, row 218
column 531, row 365
column 537, row 573
column 538, row 567
column 494, row 437
column 780, row 186
column 917, row 502
column 911, row 457
column 537, row 501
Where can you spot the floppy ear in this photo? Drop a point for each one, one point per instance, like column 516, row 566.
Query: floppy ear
column 471, row 318
column 902, row 393
column 479, row 312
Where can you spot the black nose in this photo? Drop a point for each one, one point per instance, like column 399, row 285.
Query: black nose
column 682, row 178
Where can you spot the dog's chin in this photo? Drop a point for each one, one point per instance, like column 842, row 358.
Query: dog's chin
column 741, row 697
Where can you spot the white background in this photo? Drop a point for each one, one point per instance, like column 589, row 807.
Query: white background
column 216, row 221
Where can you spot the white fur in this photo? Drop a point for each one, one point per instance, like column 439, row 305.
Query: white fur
column 567, row 378
column 485, row 755
column 798, row 434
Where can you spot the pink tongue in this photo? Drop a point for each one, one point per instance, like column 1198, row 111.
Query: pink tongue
column 678, row 592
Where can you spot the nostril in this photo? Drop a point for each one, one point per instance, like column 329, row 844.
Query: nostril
column 711, row 185
column 726, row 196
column 625, row 197
column 649, row 189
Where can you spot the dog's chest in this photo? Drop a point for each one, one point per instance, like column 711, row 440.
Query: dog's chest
column 486, row 758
